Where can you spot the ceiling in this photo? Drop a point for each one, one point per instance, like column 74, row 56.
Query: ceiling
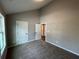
column 15, row 6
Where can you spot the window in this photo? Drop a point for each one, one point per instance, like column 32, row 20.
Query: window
column 2, row 34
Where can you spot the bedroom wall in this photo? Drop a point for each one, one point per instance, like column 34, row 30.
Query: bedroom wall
column 1, row 10
column 62, row 20
column 32, row 17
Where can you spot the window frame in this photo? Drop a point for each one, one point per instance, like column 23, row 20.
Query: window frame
column 3, row 34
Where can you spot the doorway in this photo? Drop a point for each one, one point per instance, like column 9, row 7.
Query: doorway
column 37, row 31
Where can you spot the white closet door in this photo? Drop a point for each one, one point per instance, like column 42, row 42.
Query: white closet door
column 37, row 30
column 21, row 32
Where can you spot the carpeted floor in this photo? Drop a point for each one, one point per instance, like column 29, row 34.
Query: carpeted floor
column 34, row 50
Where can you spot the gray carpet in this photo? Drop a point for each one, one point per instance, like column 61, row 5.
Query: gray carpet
column 34, row 50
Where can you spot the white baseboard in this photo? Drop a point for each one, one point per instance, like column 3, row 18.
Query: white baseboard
column 14, row 44
column 63, row 48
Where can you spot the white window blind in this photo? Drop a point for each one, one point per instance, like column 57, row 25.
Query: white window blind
column 2, row 34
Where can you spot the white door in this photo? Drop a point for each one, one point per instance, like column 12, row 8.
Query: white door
column 37, row 30
column 21, row 32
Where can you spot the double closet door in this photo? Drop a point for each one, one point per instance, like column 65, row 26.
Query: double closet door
column 21, row 32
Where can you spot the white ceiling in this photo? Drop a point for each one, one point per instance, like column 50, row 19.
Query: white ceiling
column 14, row 6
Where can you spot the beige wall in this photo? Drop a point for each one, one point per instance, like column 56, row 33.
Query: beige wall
column 1, row 10
column 62, row 20
column 32, row 17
